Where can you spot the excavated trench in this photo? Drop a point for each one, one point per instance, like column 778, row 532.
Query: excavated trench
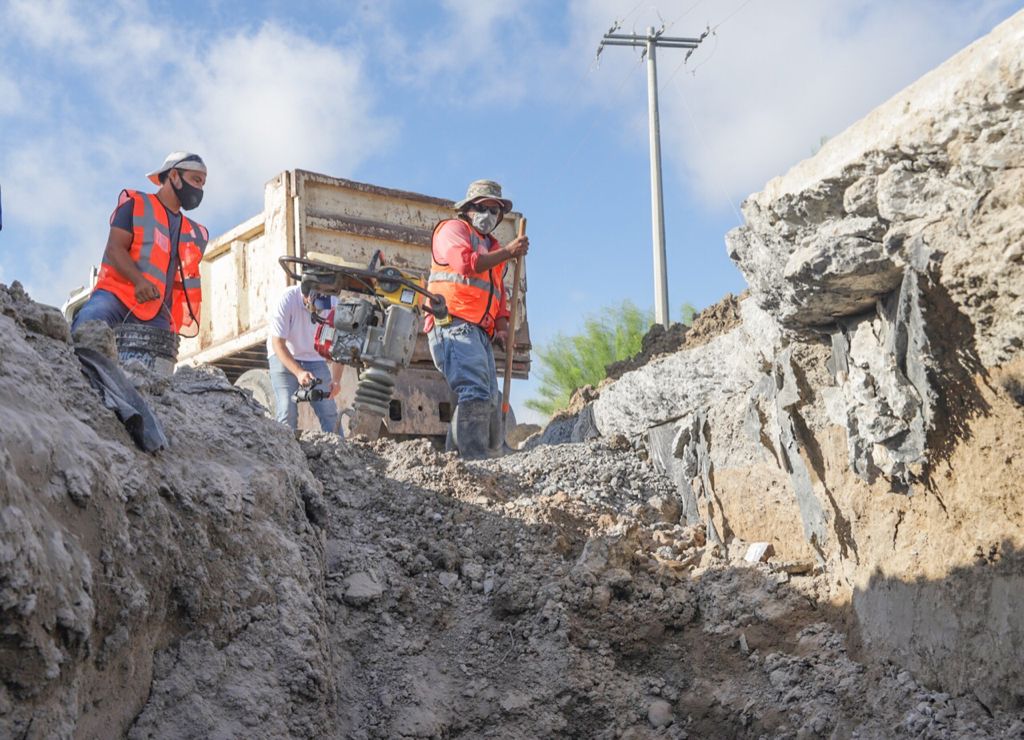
column 245, row 584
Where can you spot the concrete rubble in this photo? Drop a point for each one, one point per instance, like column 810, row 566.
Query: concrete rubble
column 866, row 412
column 801, row 518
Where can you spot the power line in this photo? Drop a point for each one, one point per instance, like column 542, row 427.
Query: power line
column 616, row 25
column 684, row 14
column 711, row 30
column 703, row 144
column 731, row 15
column 698, row 132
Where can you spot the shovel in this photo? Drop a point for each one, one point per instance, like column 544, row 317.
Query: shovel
column 510, row 344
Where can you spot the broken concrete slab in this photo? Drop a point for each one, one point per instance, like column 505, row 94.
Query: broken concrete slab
column 759, row 552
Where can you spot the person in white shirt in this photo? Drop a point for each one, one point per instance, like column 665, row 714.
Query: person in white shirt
column 294, row 362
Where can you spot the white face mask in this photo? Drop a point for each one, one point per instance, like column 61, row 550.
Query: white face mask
column 484, row 222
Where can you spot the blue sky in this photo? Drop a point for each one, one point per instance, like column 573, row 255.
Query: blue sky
column 426, row 96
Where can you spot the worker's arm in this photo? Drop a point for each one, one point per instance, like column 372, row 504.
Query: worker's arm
column 336, row 369
column 451, row 246
column 305, row 377
column 514, row 249
column 118, row 254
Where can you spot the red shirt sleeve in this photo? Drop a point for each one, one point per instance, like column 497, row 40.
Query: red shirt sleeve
column 451, row 246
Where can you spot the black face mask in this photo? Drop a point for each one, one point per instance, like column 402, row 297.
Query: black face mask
column 188, row 195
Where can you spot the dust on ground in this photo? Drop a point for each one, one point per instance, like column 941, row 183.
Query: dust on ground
column 553, row 593
column 245, row 584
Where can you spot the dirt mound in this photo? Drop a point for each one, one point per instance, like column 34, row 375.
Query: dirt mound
column 554, row 593
column 658, row 341
column 714, row 321
column 170, row 595
column 245, row 584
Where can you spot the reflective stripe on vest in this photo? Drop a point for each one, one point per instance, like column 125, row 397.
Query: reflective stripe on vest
column 160, row 230
column 475, row 298
column 187, row 297
column 454, row 277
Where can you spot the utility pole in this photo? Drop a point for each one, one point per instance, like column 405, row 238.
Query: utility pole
column 650, row 43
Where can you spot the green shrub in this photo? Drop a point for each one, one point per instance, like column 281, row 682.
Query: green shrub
column 568, row 363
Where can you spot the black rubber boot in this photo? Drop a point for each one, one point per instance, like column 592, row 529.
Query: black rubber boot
column 472, row 429
column 496, row 437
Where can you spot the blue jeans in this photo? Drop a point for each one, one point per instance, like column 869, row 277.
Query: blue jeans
column 106, row 307
column 285, row 384
column 462, row 352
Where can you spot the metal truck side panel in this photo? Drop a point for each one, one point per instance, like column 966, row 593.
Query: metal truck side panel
column 307, row 212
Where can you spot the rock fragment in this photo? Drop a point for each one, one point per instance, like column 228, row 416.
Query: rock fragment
column 361, row 589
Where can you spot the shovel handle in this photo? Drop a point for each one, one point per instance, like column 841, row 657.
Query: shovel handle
column 510, row 343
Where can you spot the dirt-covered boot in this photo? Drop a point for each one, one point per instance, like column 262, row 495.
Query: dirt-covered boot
column 472, row 425
column 499, row 426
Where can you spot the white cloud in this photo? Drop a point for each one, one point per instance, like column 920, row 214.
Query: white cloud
column 263, row 102
column 777, row 76
column 480, row 20
column 48, row 23
column 252, row 102
column 477, row 53
column 68, row 236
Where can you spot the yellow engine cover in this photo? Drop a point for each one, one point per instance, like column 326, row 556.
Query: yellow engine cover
column 401, row 295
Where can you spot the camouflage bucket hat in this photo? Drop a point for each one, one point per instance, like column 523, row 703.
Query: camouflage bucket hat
column 484, row 190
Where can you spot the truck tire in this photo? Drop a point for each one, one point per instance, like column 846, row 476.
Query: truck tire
column 257, row 381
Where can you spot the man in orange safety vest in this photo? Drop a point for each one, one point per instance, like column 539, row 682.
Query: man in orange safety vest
column 467, row 268
column 150, row 269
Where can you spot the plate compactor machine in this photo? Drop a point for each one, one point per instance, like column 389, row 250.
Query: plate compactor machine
column 373, row 326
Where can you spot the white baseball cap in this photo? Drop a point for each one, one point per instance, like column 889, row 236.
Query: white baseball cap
column 178, row 161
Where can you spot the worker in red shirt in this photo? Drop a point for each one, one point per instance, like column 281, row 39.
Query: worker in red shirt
column 468, row 268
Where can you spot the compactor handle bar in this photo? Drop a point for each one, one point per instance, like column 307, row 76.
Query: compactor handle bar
column 435, row 304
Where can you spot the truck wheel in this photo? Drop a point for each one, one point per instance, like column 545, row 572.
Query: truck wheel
column 258, row 382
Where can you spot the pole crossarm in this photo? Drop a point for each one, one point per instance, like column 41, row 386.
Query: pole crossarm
column 650, row 42
column 644, row 42
column 656, row 38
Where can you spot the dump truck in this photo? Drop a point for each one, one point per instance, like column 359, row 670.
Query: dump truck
column 304, row 214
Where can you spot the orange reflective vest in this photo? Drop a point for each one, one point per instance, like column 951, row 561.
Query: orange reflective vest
column 151, row 252
column 476, row 297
